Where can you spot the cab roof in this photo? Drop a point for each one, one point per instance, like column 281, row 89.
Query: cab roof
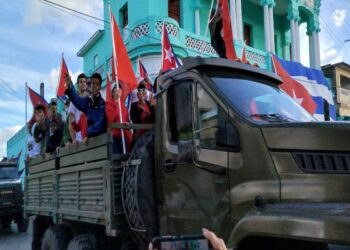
column 221, row 64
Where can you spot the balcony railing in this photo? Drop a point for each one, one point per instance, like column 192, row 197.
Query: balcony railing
column 147, row 32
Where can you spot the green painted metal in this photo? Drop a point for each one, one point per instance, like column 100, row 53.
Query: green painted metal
column 83, row 189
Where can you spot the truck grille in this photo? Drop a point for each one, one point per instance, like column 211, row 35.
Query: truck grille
column 7, row 194
column 319, row 162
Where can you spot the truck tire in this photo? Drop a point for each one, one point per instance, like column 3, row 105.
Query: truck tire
column 56, row 237
column 6, row 223
column 83, row 242
column 142, row 190
column 128, row 246
column 22, row 225
column 39, row 227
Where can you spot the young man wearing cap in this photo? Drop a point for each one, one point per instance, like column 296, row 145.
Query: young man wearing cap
column 93, row 106
column 75, row 115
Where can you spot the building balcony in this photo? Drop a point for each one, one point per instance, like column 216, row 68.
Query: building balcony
column 144, row 37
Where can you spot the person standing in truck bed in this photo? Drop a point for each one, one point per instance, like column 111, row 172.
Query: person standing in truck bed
column 113, row 116
column 40, row 130
column 93, row 106
column 142, row 111
column 75, row 115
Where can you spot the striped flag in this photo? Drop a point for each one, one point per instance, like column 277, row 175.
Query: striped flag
column 61, row 79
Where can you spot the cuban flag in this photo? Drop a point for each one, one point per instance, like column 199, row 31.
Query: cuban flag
column 37, row 99
column 61, row 80
column 314, row 82
column 169, row 59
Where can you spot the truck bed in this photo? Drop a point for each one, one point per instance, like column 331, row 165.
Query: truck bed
column 81, row 183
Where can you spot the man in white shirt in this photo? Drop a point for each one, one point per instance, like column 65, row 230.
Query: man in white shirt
column 74, row 113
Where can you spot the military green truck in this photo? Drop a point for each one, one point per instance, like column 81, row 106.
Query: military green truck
column 11, row 196
column 229, row 151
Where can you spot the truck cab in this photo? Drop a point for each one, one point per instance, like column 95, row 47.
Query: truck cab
column 11, row 196
column 238, row 155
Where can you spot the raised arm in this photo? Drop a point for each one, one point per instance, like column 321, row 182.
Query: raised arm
column 80, row 103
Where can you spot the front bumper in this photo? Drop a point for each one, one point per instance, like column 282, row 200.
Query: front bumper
column 310, row 221
column 10, row 209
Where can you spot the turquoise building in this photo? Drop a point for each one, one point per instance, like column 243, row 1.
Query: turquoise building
column 266, row 26
column 17, row 144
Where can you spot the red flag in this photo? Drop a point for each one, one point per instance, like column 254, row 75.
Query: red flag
column 293, row 88
column 227, row 30
column 37, row 99
column 122, row 64
column 169, row 60
column 145, row 76
column 61, row 78
column 221, row 31
column 108, row 89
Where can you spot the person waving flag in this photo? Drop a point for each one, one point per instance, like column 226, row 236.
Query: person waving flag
column 221, row 31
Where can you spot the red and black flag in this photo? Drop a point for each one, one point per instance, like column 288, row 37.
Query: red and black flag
column 221, row 31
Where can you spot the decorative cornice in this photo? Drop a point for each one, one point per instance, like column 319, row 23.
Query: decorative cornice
column 270, row 3
column 293, row 11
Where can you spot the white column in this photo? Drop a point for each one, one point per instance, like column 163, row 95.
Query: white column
column 267, row 28
column 233, row 12
column 239, row 20
column 292, row 32
column 197, row 22
column 297, row 40
column 272, row 30
column 317, row 52
column 312, row 53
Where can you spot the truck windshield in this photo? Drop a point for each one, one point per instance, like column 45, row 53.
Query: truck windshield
column 8, row 173
column 261, row 102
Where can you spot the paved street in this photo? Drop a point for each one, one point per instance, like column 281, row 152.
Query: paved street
column 13, row 240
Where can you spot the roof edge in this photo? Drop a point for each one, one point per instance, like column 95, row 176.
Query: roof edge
column 92, row 40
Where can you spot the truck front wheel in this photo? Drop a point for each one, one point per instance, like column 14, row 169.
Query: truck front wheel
column 56, row 237
column 83, row 242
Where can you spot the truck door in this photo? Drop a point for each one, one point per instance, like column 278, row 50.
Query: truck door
column 194, row 179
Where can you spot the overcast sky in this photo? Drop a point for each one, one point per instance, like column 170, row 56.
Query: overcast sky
column 34, row 35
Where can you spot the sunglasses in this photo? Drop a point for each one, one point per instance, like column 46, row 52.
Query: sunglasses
column 140, row 91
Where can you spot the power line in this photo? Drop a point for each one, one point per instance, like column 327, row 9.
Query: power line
column 14, row 93
column 331, row 32
column 76, row 11
column 63, row 10
column 49, row 3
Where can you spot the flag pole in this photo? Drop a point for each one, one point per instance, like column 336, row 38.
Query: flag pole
column 116, row 75
column 26, row 99
column 209, row 18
